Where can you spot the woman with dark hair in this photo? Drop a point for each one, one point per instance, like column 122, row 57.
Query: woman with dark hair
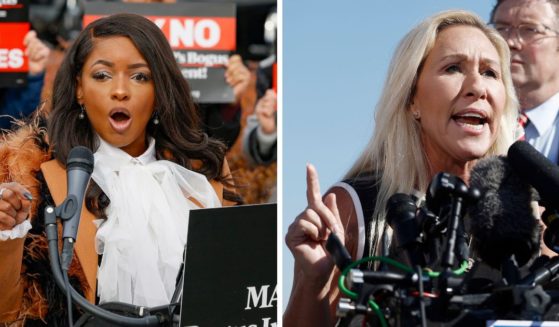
column 120, row 93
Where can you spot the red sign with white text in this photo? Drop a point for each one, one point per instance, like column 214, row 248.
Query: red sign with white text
column 12, row 58
column 14, row 24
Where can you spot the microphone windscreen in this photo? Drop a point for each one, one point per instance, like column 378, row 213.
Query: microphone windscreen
column 534, row 168
column 502, row 221
column 80, row 157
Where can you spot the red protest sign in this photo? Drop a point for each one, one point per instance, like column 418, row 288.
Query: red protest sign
column 14, row 24
column 12, row 58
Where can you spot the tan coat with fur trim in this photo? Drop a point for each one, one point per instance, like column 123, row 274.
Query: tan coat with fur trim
column 22, row 155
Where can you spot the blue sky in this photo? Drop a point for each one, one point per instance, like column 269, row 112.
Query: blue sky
column 335, row 57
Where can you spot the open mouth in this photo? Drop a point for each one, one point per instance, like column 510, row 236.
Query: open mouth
column 120, row 119
column 470, row 120
column 120, row 116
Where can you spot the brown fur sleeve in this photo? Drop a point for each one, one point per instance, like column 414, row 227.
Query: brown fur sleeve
column 219, row 186
column 20, row 158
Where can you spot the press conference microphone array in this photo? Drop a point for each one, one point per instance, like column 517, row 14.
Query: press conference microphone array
column 502, row 222
column 79, row 167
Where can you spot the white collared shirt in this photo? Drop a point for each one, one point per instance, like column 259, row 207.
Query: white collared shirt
column 542, row 132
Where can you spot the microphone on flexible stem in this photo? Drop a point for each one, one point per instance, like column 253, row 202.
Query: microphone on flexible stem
column 502, row 222
column 535, row 169
column 79, row 167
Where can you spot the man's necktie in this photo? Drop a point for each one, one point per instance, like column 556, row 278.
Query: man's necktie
column 523, row 121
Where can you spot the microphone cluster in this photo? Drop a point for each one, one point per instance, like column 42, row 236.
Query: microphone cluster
column 496, row 218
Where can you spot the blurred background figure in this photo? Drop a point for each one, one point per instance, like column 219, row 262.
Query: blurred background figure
column 260, row 146
column 223, row 121
column 256, row 164
column 260, row 139
column 531, row 29
column 21, row 102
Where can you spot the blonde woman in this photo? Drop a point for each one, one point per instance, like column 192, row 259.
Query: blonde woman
column 448, row 101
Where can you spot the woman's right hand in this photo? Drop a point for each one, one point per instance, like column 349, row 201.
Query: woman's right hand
column 15, row 204
column 265, row 111
column 307, row 234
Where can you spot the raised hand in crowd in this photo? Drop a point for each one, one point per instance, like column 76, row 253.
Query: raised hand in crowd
column 37, row 52
column 238, row 76
column 265, row 112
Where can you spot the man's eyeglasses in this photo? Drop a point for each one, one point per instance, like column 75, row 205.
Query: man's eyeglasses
column 525, row 33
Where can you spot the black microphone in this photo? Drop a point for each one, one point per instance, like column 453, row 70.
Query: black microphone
column 442, row 218
column 543, row 175
column 550, row 217
column 401, row 217
column 502, row 222
column 535, row 169
column 442, row 188
column 79, row 167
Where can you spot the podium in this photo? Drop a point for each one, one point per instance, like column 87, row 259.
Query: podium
column 230, row 271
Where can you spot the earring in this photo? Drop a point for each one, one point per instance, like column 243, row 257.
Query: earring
column 155, row 118
column 415, row 115
column 81, row 116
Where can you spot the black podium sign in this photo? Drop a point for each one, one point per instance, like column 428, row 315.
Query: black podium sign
column 202, row 36
column 230, row 274
column 14, row 24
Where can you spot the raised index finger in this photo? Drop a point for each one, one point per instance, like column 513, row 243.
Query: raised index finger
column 314, row 196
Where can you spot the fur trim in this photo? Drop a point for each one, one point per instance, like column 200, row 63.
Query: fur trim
column 255, row 184
column 21, row 154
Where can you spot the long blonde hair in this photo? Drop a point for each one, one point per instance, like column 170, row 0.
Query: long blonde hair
column 395, row 151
